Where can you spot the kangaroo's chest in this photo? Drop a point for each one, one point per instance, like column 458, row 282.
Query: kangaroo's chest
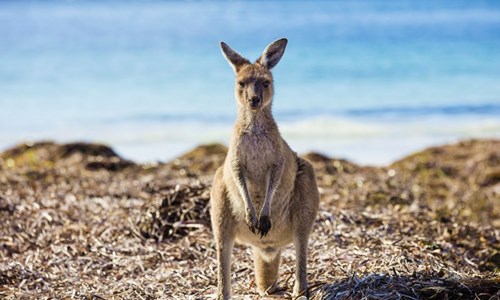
column 257, row 153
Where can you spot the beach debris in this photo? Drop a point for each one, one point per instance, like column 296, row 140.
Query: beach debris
column 182, row 208
column 431, row 230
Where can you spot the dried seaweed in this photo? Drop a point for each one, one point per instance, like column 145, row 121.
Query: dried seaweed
column 182, row 209
column 80, row 222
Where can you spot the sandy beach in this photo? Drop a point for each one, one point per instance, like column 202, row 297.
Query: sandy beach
column 80, row 222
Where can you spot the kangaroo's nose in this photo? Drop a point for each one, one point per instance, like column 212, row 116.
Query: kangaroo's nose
column 254, row 101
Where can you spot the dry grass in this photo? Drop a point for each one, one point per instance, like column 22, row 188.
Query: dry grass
column 80, row 222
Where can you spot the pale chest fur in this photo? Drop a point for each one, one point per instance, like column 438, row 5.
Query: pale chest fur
column 256, row 154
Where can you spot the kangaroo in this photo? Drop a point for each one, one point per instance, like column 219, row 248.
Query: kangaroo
column 264, row 195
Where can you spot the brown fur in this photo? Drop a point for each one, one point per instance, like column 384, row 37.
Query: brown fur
column 264, row 195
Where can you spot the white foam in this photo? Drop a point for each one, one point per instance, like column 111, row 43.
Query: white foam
column 368, row 141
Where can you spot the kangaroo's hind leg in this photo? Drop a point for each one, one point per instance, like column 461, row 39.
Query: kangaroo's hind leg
column 223, row 225
column 304, row 208
column 266, row 262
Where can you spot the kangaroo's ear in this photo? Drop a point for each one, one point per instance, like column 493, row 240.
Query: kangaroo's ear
column 233, row 57
column 272, row 54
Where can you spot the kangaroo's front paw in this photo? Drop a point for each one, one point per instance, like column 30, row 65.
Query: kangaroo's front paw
column 251, row 221
column 264, row 225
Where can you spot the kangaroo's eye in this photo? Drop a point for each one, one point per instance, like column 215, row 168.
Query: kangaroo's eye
column 266, row 84
column 241, row 84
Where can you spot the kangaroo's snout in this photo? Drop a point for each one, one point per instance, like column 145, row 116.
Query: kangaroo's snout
column 254, row 101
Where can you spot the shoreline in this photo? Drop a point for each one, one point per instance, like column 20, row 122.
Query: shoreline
column 377, row 153
column 369, row 141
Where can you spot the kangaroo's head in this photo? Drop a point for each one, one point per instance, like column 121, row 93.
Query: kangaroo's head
column 254, row 82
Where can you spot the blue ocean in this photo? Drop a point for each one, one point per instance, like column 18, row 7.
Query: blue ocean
column 369, row 81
